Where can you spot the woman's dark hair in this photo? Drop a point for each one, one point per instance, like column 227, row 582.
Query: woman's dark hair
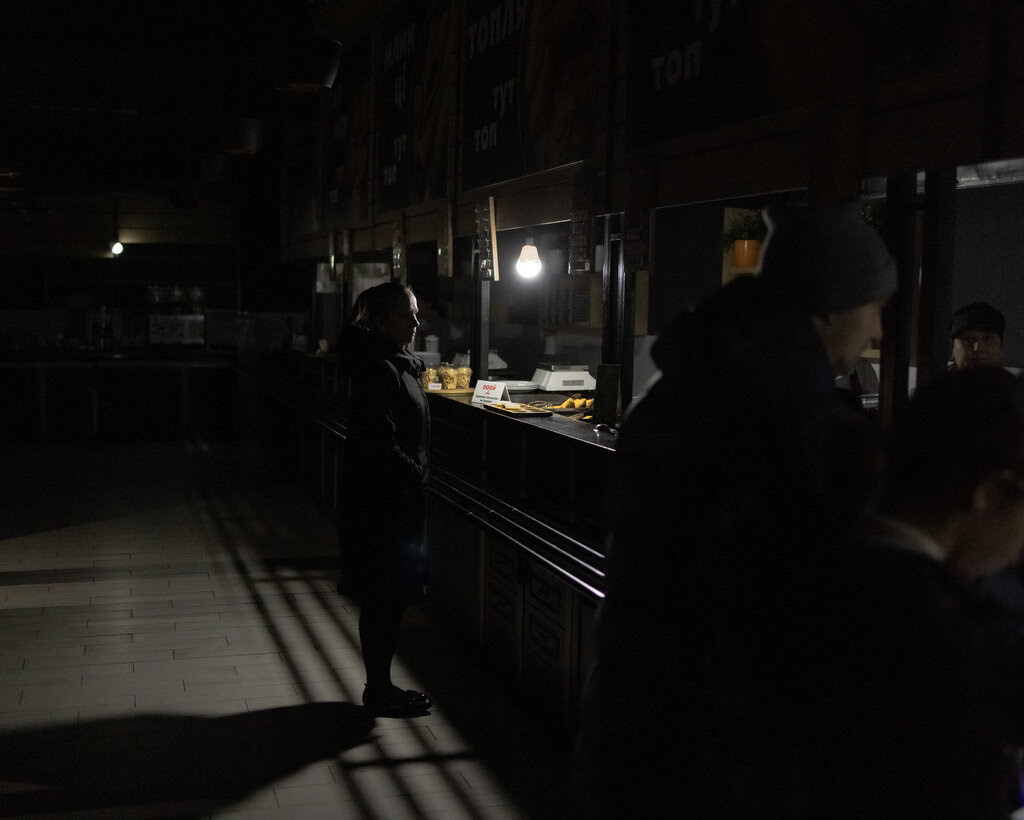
column 957, row 430
column 373, row 305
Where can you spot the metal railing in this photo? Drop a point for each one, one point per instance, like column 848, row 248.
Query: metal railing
column 578, row 563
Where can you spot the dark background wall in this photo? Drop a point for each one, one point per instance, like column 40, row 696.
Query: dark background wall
column 687, row 260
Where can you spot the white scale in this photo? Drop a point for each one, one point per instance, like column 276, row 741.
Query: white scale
column 563, row 377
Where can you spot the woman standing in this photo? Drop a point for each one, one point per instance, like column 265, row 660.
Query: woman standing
column 385, row 471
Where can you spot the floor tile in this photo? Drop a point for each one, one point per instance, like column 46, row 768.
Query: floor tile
column 187, row 633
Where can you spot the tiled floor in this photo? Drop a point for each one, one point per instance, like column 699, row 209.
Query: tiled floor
column 171, row 645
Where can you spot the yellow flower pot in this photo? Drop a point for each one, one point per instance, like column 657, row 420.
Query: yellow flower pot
column 745, row 252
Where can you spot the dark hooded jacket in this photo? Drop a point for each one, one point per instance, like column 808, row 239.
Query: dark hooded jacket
column 384, row 469
column 914, row 686
column 736, row 456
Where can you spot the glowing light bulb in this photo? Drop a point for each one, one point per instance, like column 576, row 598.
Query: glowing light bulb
column 116, row 248
column 528, row 265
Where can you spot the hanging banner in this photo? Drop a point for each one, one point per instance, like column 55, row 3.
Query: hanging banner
column 692, row 66
column 491, row 142
column 347, row 142
column 399, row 53
column 529, row 99
column 414, row 104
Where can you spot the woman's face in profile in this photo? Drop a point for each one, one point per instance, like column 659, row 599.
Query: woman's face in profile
column 400, row 324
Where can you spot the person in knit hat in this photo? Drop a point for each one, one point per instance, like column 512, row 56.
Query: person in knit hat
column 977, row 334
column 740, row 458
column 838, row 268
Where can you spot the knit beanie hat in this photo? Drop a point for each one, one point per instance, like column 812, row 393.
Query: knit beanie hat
column 827, row 256
column 977, row 316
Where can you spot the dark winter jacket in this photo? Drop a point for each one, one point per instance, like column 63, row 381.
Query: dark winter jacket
column 726, row 467
column 385, row 465
column 913, row 685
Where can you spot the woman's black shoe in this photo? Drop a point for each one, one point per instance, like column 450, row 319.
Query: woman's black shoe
column 397, row 702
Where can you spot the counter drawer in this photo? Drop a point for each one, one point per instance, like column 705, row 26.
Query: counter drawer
column 548, row 595
column 502, row 627
column 546, row 665
column 502, row 607
column 502, row 562
column 545, row 640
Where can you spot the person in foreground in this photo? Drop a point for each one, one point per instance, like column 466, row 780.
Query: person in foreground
column 385, row 472
column 737, row 457
column 917, row 682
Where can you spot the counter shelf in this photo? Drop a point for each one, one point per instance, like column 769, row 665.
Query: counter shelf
column 561, row 424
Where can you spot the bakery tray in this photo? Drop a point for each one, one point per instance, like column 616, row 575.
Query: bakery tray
column 563, row 411
column 519, row 411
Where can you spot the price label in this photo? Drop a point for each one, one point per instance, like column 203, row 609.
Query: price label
column 490, row 392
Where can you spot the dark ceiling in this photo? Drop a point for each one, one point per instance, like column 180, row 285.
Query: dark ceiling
column 133, row 95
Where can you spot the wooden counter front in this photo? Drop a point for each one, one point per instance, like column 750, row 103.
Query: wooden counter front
column 516, row 528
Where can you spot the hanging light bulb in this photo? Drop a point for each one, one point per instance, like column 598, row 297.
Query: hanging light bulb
column 528, row 265
column 115, row 245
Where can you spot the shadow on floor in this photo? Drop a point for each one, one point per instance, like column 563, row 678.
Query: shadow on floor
column 98, row 764
column 199, row 762
column 528, row 753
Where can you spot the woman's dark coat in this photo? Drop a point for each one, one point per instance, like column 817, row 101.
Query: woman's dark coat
column 384, row 470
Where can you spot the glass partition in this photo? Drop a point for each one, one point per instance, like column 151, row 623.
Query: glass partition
column 551, row 317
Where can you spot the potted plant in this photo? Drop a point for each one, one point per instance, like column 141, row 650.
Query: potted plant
column 743, row 236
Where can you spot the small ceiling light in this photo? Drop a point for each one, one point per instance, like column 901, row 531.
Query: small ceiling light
column 116, row 247
column 528, row 265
